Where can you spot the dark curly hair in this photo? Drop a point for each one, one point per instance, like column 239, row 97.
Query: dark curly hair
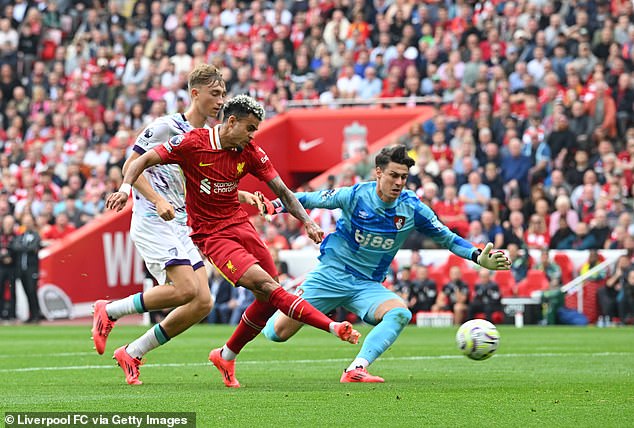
column 396, row 154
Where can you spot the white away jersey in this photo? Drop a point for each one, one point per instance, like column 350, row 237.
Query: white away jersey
column 167, row 180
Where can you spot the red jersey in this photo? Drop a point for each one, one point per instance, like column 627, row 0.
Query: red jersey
column 212, row 175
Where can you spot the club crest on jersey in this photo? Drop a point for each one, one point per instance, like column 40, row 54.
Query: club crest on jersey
column 176, row 140
column 240, row 168
column 399, row 221
column 231, row 267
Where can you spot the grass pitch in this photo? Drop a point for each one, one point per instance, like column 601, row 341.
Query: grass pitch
column 543, row 377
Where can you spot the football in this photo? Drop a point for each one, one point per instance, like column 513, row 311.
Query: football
column 478, row 339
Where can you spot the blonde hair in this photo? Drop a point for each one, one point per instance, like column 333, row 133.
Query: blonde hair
column 204, row 75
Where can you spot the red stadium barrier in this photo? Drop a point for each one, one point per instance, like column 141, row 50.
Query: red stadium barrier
column 98, row 261
column 590, row 304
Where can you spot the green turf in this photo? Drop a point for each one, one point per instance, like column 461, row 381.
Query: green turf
column 545, row 377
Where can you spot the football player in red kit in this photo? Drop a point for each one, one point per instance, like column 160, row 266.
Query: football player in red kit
column 213, row 161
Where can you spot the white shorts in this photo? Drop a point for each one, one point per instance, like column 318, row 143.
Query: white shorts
column 162, row 244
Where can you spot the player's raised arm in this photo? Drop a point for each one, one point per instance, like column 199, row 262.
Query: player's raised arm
column 294, row 207
column 117, row 200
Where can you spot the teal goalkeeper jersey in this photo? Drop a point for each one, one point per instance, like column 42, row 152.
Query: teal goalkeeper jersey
column 370, row 232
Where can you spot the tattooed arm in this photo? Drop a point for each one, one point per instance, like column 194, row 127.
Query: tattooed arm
column 296, row 209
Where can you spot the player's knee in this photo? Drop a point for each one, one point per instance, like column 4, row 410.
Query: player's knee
column 207, row 305
column 269, row 333
column 265, row 288
column 186, row 290
column 402, row 316
column 204, row 305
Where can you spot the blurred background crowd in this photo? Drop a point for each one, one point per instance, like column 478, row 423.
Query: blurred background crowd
column 531, row 145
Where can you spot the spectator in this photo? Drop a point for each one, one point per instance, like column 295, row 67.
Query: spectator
column 594, row 259
column 25, row 247
column 564, row 232
column 602, row 110
column 492, row 229
column 475, row 196
column 487, row 298
column 514, row 230
column 536, row 236
column 550, row 269
column 557, row 186
column 600, row 228
column 625, row 298
column 221, row 290
column 59, row 230
column 519, row 261
column 515, row 169
column 540, row 155
column 589, row 189
column 403, row 284
column 624, row 99
column 7, row 268
column 581, row 125
column 475, row 234
column 273, row 239
column 581, row 164
column 9, row 40
column 495, row 182
column 454, row 296
column 580, row 240
column 423, row 291
column 241, row 298
column 349, row 83
column 608, row 294
column 450, row 210
column 564, row 211
column 370, row 86
column 561, row 142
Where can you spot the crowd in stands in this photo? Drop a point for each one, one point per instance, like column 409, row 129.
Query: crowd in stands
column 531, row 146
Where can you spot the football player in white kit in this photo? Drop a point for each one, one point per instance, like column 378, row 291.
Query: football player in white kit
column 160, row 232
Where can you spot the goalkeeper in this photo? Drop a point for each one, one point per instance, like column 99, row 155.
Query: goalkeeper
column 376, row 219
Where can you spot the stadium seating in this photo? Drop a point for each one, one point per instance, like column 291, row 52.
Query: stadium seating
column 590, row 306
column 439, row 275
column 535, row 280
column 454, row 260
column 506, row 281
column 470, row 276
column 567, row 268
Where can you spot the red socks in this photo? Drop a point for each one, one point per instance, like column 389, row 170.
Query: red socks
column 299, row 309
column 257, row 314
column 253, row 321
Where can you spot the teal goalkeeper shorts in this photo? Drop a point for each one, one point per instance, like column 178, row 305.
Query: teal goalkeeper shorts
column 328, row 288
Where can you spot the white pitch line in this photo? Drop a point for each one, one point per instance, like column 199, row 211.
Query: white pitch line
column 327, row 360
column 60, row 354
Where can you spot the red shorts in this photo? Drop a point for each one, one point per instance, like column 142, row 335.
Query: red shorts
column 235, row 249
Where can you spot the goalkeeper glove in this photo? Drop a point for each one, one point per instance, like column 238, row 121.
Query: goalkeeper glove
column 492, row 261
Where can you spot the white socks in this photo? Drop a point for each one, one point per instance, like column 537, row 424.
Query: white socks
column 358, row 362
column 228, row 354
column 143, row 344
column 331, row 327
column 119, row 308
